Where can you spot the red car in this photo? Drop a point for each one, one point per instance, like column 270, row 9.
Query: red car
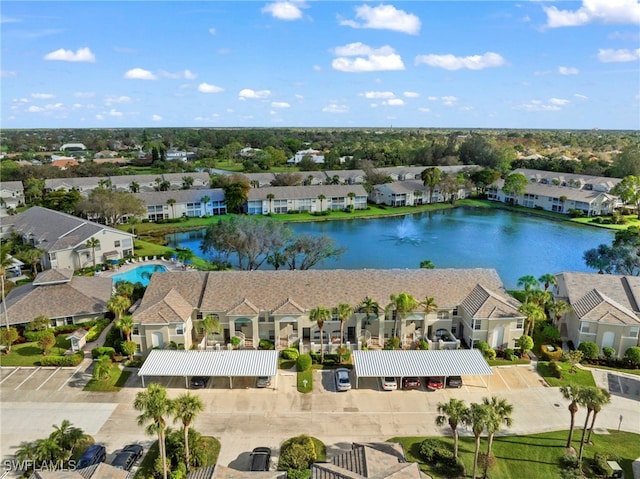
column 410, row 383
column 435, row 383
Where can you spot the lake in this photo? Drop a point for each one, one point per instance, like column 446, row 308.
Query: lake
column 514, row 244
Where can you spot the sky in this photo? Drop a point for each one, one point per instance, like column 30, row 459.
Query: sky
column 424, row 64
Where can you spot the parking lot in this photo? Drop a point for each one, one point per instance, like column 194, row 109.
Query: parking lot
column 37, row 378
column 624, row 386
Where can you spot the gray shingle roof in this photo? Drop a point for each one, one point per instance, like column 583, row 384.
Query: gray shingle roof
column 596, row 306
column 484, row 304
column 53, row 276
column 170, row 308
column 181, row 196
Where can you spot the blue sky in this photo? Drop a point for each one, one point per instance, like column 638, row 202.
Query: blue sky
column 450, row 64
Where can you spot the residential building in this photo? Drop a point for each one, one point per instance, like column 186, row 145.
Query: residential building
column 315, row 155
column 253, row 305
column 346, row 177
column 73, row 147
column 605, row 309
column 11, row 195
column 61, row 297
column 561, row 192
column 84, row 185
column 284, row 199
column 401, row 193
column 191, row 203
column 63, row 238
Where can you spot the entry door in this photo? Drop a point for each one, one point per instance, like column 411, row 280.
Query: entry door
column 498, row 337
column 607, row 339
column 351, row 334
column 306, row 334
column 156, row 340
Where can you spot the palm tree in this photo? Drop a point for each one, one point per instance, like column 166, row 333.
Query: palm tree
column 93, row 243
column 125, row 325
column 527, row 283
column 134, row 187
column 6, row 261
column 67, row 436
column 571, row 393
column 499, row 411
column 33, row 256
column 369, row 306
column 125, row 288
column 321, row 198
column 351, row 195
column 429, row 305
column 118, row 305
column 185, row 408
column 205, row 201
column 344, row 312
column 476, row 418
column 210, row 324
column 26, row 452
column 102, row 368
column 533, row 312
column 558, row 308
column 592, row 398
column 154, row 406
column 430, row 178
column 270, row 197
column 605, row 398
column 47, row 450
column 171, row 202
column 320, row 315
column 547, row 280
column 452, row 413
column 402, row 304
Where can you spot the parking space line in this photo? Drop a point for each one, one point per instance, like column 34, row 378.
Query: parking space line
column 524, row 380
column 69, row 378
column 10, row 374
column 502, row 379
column 45, row 381
column 28, row 377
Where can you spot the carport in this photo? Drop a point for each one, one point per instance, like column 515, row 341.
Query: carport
column 225, row 363
column 460, row 362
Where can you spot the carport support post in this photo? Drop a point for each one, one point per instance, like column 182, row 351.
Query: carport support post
column 186, row 382
column 142, row 377
column 230, row 382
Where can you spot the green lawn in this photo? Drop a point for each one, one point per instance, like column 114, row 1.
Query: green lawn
column 29, row 354
column 113, row 384
column 301, row 377
column 506, row 362
column 534, row 456
column 581, row 377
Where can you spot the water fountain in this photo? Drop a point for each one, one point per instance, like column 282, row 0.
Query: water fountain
column 407, row 231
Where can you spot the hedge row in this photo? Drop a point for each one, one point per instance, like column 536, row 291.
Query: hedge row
column 72, row 360
column 555, row 355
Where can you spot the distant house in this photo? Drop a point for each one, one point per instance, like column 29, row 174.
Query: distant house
column 346, row 177
column 64, row 163
column 188, row 203
column 73, row 147
column 402, row 193
column 63, row 238
column 604, row 309
column 302, row 198
column 84, row 185
column 249, row 152
column 11, row 194
column 61, row 297
column 105, row 154
column 315, row 155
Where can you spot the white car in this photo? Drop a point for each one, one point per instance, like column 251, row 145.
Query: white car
column 343, row 383
column 389, row 384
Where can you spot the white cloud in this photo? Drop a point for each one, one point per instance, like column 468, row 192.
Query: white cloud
column 559, row 101
column 378, row 94
column 110, row 100
column 99, row 117
column 411, row 94
column 568, row 71
column 299, row 97
column 84, row 94
column 537, row 105
column 335, row 108
column 186, row 75
column 212, row 31
column 7, row 74
column 605, row 11
column 114, row 113
column 81, row 55
column 156, row 118
column 35, row 109
column 432, row 98
column 617, row 56
column 4, row 19
column 317, row 68
column 424, row 110
column 449, row 100
column 140, row 74
column 208, row 88
column 452, row 62
column 394, row 102
column 284, row 10
column 280, row 104
column 76, row 106
column 581, row 97
column 54, row 106
column 384, row 17
column 367, row 59
column 250, row 94
column 42, row 96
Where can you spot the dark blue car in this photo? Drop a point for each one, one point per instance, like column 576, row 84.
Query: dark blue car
column 91, row 456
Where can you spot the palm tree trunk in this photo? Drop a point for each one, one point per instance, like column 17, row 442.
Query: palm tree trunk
column 593, row 420
column 573, row 422
column 341, row 331
column 584, row 430
column 4, row 309
column 186, row 446
column 163, row 452
column 489, row 446
column 455, row 443
column 321, row 347
column 475, row 457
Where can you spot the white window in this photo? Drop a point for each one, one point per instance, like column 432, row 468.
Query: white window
column 633, row 332
column 443, row 314
column 136, row 330
column 116, row 244
column 584, row 327
column 477, row 324
column 180, row 329
column 520, row 323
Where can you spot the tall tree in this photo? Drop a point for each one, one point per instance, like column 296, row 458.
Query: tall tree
column 629, row 191
column 171, row 202
column 534, row 313
column 604, row 399
column 118, row 304
column 453, row 412
column 557, row 309
column 476, row 417
column 125, row 325
column 111, row 206
column 344, row 312
column 93, row 243
column 402, row 304
column 320, row 315
column 547, row 280
column 305, row 251
column 431, row 177
column 205, row 201
column 6, row 261
column 515, row 185
column 499, row 413
column 210, row 324
column 236, row 195
column 592, row 398
column 154, row 405
column 527, row 283
column 369, row 306
column 185, row 408
column 572, row 393
column 429, row 305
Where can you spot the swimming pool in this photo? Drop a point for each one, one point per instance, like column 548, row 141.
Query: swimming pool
column 140, row 274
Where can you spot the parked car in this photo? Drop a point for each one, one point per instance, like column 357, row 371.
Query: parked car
column 343, row 383
column 454, row 382
column 263, row 382
column 136, row 449
column 435, row 382
column 389, row 384
column 125, row 459
column 93, row 455
column 411, row 382
column 260, row 459
column 199, row 382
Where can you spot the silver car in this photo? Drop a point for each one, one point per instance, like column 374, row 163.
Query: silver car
column 343, row 383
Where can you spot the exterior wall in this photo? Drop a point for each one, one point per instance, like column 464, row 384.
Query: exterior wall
column 624, row 336
column 168, row 333
column 79, row 319
column 82, row 257
column 601, row 205
column 488, row 332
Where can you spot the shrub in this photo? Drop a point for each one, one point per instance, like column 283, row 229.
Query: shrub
column 41, row 323
column 393, row 343
column 266, row 344
column 71, row 360
column 303, row 362
column 423, row 344
column 608, row 352
column 600, row 463
column 481, row 345
column 35, row 336
column 589, row 349
column 434, row 451
column 551, row 333
column 490, row 354
column 47, row 342
column 556, row 370
column 633, row 355
column 96, row 330
column 525, row 343
column 555, row 355
column 290, row 353
column 297, row 453
column 569, row 461
column 235, row 341
column 103, row 351
column 344, row 354
column 509, row 355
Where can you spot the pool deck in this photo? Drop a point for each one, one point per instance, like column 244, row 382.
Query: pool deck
column 170, row 265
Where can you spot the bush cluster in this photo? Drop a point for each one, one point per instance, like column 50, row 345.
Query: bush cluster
column 303, row 362
column 35, row 336
column 297, row 454
column 438, row 454
column 555, row 355
column 266, row 344
column 103, row 351
column 556, row 370
column 96, row 330
column 290, row 353
column 71, row 360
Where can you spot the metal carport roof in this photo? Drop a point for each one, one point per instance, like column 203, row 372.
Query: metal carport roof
column 243, row 362
column 459, row 362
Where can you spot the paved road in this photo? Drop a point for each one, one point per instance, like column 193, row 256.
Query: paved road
column 33, row 399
